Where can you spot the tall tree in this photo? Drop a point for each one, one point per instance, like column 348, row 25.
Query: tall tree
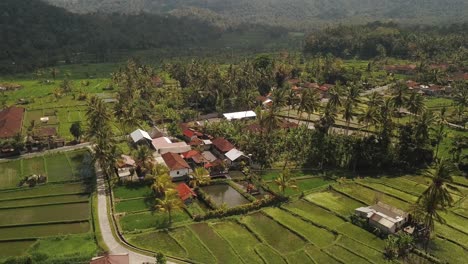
column 352, row 99
column 169, row 203
column 199, row 176
column 285, row 181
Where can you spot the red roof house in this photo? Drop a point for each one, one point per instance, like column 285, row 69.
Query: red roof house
column 11, row 120
column 185, row 192
column 174, row 161
column 222, row 144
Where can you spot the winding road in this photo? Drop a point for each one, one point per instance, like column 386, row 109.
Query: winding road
column 115, row 247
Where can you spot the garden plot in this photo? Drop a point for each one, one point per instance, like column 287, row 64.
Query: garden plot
column 196, row 250
column 269, row 231
column 42, row 214
column 452, row 234
column 10, row 173
column 314, row 213
column 14, row 248
column 134, row 205
column 362, row 250
column 218, row 246
column 319, row 256
column 400, row 183
column 364, row 237
column 455, row 221
column 391, row 191
column 44, row 190
column 302, row 185
column 129, row 192
column 447, row 251
column 158, row 241
column 72, row 198
column 37, row 231
column 317, row 236
column 299, row 257
column 240, row 239
column 58, row 168
column 369, row 196
column 269, row 255
column 146, row 220
column 334, row 201
column 81, row 164
column 345, row 255
column 33, row 166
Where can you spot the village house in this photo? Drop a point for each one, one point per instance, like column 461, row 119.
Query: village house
column 141, row 137
column 185, row 193
column 164, row 145
column 234, row 157
column 178, row 167
column 11, row 121
column 221, row 146
column 386, row 218
column 125, row 167
column 400, row 69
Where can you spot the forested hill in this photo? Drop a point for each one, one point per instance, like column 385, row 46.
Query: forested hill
column 293, row 13
column 36, row 34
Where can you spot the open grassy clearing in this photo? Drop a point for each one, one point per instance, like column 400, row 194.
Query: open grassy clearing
column 314, row 213
column 44, row 190
column 455, row 221
column 14, row 248
column 240, row 239
column 269, row 231
column 196, row 250
column 158, row 241
column 334, row 201
column 10, row 173
column 41, row 214
column 273, row 174
column 134, row 205
column 345, row 255
column 33, row 166
column 452, row 234
column 399, row 183
column 217, row 245
column 36, row 231
column 298, row 257
column 146, row 220
column 269, row 255
column 317, row 236
column 302, row 185
column 44, row 200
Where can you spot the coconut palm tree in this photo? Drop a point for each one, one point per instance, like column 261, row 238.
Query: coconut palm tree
column 461, row 98
column 309, row 103
column 334, row 95
column 416, row 104
column 352, row 99
column 285, row 181
column 368, row 117
column 399, row 95
column 200, row 176
column 436, row 197
column 422, row 126
column 143, row 157
column 440, row 132
column 169, row 203
column 162, row 183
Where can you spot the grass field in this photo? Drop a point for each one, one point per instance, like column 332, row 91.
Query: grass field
column 196, row 250
column 158, row 241
column 315, row 214
column 44, row 200
column 302, row 185
column 335, row 202
column 37, row 231
column 10, row 173
column 148, row 220
column 43, row 190
column 134, row 205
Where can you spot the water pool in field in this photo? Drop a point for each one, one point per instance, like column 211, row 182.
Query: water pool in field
column 224, row 193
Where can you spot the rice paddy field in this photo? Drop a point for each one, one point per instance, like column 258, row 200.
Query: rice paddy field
column 314, row 228
column 53, row 220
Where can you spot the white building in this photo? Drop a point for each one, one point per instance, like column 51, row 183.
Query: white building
column 239, row 115
column 164, row 145
column 384, row 217
column 139, row 135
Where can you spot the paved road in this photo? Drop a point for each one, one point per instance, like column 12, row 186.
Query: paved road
column 104, row 222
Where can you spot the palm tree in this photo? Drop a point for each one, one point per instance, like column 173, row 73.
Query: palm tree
column 327, row 119
column 200, row 176
column 399, row 95
column 440, row 133
column 309, row 103
column 368, row 117
column 437, row 196
column 98, row 117
column 169, row 203
column 422, row 125
column 284, row 181
column 461, row 98
column 292, row 99
column 350, row 103
column 162, row 183
column 375, row 99
column 144, row 157
column 416, row 104
column 334, row 95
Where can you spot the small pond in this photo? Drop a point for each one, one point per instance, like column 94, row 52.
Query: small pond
column 223, row 193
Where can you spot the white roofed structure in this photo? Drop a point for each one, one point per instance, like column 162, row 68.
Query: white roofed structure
column 165, row 145
column 139, row 134
column 234, row 154
column 239, row 115
column 385, row 217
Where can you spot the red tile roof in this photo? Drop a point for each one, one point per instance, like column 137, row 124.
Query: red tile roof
column 11, row 120
column 189, row 154
column 190, row 133
column 222, row 144
column 196, row 142
column 185, row 192
column 174, row 161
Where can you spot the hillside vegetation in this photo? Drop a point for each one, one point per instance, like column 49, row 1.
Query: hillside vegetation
column 292, row 13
